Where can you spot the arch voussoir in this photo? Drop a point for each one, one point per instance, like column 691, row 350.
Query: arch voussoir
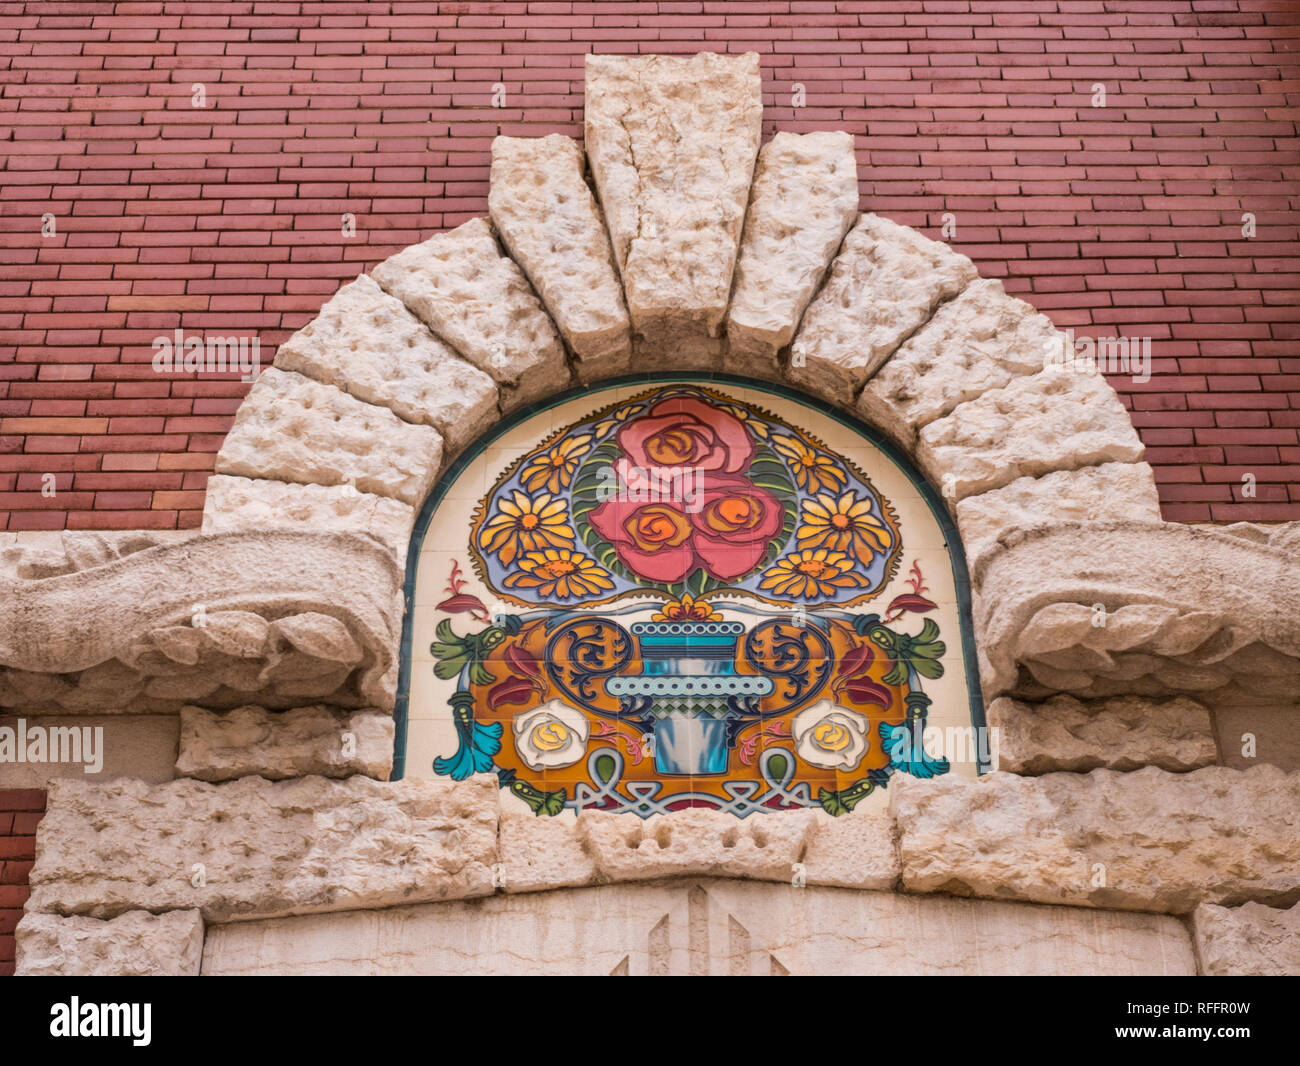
column 371, row 346
column 551, row 224
column 884, row 285
column 471, row 294
column 292, row 428
column 803, row 201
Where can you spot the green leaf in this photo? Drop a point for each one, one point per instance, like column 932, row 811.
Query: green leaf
column 697, row 582
column 479, row 674
column 605, row 767
column 928, row 668
column 831, row 802
column 777, row 766
column 777, row 488
column 449, row 668
column 548, row 803
column 768, row 467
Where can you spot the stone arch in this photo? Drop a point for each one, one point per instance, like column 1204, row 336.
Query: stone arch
column 368, row 403
column 704, row 255
column 702, row 252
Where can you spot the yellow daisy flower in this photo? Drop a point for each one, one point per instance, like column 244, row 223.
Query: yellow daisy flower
column 524, row 524
column 554, row 468
column 562, row 573
column 811, row 574
column 844, row 524
column 814, row 471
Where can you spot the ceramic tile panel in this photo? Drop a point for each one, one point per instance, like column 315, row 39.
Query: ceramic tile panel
column 679, row 593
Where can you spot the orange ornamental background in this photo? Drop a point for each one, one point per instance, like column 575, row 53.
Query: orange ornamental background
column 531, row 643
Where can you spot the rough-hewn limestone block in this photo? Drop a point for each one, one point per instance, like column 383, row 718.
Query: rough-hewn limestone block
column 707, row 927
column 980, row 340
column 134, row 944
column 626, row 847
column 1094, row 493
column 672, row 142
column 477, row 300
column 50, row 553
column 370, row 346
column 1249, row 735
column 242, row 504
column 804, row 199
column 91, row 747
column 294, row 743
column 267, row 848
column 1121, row 733
column 854, row 850
column 1285, row 536
column 552, row 227
column 1055, row 420
column 1247, row 941
column 1147, row 840
column 290, row 428
column 283, row 618
column 884, row 284
column 539, row 853
column 1111, row 608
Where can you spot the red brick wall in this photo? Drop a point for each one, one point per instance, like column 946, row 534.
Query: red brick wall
column 20, row 811
column 1125, row 218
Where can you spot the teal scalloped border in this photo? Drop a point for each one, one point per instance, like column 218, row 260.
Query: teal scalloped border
column 961, row 576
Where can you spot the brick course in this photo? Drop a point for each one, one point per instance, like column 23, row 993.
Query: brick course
column 225, row 219
column 20, row 813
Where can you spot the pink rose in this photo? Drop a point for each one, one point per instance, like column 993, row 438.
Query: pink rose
column 727, row 535
column 681, row 432
column 734, row 524
column 652, row 539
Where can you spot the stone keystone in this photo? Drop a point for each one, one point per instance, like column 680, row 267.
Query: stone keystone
column 672, row 142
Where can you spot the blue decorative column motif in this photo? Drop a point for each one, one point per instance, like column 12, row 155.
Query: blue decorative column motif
column 689, row 689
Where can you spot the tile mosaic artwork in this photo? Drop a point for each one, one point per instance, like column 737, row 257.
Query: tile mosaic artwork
column 680, row 594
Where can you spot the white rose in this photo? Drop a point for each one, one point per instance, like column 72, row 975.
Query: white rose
column 552, row 735
column 829, row 736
